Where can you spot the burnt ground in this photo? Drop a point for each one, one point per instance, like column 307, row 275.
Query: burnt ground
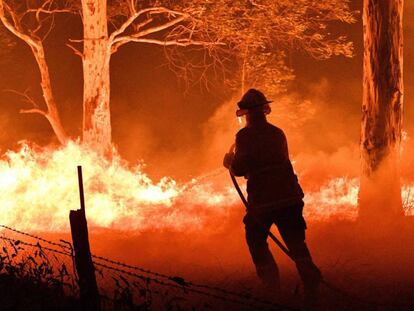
column 372, row 266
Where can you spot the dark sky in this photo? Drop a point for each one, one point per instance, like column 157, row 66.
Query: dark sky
column 155, row 118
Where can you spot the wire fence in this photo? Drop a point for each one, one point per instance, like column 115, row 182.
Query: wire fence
column 121, row 285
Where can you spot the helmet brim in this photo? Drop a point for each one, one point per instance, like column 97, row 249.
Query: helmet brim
column 242, row 104
column 243, row 111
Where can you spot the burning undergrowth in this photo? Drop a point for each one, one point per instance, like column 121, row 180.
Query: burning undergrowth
column 39, row 187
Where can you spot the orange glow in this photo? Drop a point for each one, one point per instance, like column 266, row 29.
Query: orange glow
column 39, row 187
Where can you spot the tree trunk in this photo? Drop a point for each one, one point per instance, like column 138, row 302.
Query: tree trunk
column 52, row 114
column 380, row 192
column 96, row 57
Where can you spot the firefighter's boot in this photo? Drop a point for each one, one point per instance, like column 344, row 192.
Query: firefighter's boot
column 311, row 278
column 269, row 275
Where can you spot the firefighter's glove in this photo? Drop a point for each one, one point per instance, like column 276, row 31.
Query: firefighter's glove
column 228, row 159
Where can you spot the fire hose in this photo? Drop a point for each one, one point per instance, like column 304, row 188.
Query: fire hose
column 271, row 235
column 285, row 250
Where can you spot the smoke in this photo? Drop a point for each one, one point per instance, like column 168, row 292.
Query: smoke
column 323, row 143
column 4, row 121
column 219, row 134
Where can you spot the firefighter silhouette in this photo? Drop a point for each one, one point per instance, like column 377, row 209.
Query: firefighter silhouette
column 274, row 195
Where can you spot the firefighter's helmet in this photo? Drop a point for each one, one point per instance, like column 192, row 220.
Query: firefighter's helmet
column 251, row 99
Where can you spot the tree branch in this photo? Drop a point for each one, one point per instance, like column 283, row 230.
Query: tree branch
column 25, row 95
column 53, row 11
column 46, row 8
column 155, row 28
column 75, row 50
column 29, row 100
column 178, row 42
column 35, row 110
column 14, row 28
column 136, row 15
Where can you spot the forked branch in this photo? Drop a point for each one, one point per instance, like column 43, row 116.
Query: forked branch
column 174, row 28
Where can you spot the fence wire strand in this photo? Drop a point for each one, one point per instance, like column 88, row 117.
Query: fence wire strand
column 35, row 237
column 197, row 291
column 175, row 282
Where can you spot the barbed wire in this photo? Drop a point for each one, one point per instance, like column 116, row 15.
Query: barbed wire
column 157, row 281
column 35, row 237
column 179, row 281
column 176, row 279
column 35, row 245
column 197, row 291
column 182, row 281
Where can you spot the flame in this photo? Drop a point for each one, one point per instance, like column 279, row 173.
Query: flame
column 38, row 187
column 339, row 197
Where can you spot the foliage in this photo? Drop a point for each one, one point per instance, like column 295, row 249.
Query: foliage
column 261, row 33
column 38, row 278
column 29, row 279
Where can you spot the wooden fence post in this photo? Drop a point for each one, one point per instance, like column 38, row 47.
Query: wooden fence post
column 89, row 294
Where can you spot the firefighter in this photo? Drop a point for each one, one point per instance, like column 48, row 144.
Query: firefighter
column 274, row 195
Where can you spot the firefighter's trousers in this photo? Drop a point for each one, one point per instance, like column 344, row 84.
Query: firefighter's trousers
column 292, row 226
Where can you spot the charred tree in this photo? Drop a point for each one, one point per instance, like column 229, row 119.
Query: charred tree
column 96, row 91
column 382, row 107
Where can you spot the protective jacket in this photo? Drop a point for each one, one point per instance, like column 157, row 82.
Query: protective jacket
column 262, row 156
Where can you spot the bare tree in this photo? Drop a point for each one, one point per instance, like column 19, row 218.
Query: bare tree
column 106, row 29
column 31, row 26
column 382, row 107
column 107, row 26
